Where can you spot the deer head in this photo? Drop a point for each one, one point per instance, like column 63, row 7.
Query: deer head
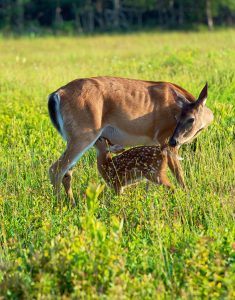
column 194, row 117
column 105, row 145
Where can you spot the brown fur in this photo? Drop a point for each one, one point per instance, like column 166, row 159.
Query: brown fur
column 143, row 106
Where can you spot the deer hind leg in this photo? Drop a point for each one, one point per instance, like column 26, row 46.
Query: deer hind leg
column 175, row 167
column 118, row 189
column 67, row 185
column 68, row 159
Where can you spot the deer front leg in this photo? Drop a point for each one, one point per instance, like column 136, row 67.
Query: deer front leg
column 159, row 179
column 165, row 181
column 175, row 167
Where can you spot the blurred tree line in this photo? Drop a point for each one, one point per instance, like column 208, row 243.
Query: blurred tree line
column 86, row 16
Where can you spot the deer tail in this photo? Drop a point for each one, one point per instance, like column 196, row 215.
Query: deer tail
column 55, row 113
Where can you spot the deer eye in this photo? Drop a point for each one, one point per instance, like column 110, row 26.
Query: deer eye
column 190, row 120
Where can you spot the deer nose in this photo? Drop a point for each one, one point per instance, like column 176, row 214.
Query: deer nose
column 172, row 142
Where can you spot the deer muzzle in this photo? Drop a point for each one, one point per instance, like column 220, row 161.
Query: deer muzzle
column 173, row 142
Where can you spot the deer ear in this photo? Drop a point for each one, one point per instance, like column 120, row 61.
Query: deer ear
column 180, row 100
column 203, row 96
column 116, row 148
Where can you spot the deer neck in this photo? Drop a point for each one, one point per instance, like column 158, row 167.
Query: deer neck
column 103, row 156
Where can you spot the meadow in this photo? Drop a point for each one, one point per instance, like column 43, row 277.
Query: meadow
column 140, row 245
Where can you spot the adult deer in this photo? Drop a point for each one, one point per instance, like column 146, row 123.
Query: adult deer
column 128, row 112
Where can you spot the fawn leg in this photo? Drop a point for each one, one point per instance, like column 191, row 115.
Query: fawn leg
column 118, row 189
column 158, row 179
column 175, row 167
column 165, row 181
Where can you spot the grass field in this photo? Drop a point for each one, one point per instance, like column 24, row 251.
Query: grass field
column 140, row 245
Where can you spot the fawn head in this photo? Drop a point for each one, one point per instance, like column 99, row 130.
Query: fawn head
column 194, row 117
column 104, row 145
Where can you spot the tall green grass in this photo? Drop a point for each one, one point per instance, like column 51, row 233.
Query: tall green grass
column 140, row 245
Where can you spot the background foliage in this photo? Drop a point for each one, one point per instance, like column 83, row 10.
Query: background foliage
column 86, row 16
column 140, row 245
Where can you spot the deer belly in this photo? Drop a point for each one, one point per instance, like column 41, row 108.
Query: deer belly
column 117, row 136
column 128, row 177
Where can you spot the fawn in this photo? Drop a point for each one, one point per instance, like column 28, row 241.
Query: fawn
column 132, row 165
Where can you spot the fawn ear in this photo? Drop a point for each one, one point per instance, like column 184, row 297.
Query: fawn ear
column 203, row 96
column 180, row 100
column 116, row 148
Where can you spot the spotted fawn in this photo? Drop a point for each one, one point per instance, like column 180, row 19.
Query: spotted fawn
column 131, row 166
